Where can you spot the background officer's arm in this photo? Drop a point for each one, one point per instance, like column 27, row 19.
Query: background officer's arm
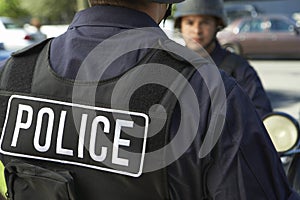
column 248, row 78
column 246, row 165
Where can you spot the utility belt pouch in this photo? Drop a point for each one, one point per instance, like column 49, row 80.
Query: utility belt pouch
column 27, row 181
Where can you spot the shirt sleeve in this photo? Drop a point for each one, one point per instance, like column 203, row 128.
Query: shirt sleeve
column 245, row 164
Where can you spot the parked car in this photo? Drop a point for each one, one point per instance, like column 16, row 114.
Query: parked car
column 264, row 36
column 14, row 36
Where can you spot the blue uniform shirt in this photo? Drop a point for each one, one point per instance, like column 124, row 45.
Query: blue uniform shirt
column 248, row 79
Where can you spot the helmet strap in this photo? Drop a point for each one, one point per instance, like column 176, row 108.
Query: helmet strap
column 168, row 13
column 212, row 41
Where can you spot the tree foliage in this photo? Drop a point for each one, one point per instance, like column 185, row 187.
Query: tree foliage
column 12, row 8
column 82, row 4
column 51, row 11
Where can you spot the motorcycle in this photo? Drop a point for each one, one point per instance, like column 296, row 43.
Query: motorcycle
column 284, row 132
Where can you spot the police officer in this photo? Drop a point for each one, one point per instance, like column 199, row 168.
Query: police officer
column 199, row 22
column 113, row 109
column 37, row 34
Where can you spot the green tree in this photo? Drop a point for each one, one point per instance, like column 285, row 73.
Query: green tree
column 12, row 8
column 82, row 4
column 51, row 11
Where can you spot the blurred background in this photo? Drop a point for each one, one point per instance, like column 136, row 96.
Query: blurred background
column 50, row 12
column 24, row 22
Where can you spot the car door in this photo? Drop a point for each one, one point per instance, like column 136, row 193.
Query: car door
column 285, row 40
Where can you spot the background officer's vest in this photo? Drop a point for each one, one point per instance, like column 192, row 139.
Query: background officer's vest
column 63, row 139
column 230, row 62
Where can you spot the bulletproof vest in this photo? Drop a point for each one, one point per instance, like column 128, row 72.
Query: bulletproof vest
column 67, row 139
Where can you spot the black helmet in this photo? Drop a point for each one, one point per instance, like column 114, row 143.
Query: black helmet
column 201, row 7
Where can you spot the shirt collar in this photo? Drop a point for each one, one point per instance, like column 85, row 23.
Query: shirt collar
column 106, row 15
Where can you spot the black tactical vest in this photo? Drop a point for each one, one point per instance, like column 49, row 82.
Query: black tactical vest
column 63, row 139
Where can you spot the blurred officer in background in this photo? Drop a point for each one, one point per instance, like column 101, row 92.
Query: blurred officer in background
column 113, row 109
column 199, row 22
column 37, row 35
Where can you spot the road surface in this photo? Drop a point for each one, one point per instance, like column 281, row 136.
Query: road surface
column 281, row 79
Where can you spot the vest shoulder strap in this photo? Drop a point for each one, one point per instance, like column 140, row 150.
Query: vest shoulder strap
column 230, row 63
column 17, row 78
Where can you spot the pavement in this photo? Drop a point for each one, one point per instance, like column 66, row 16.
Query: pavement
column 281, row 80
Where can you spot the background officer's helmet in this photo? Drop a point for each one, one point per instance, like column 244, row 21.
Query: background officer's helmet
column 201, row 7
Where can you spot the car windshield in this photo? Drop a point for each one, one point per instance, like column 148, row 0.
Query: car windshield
column 254, row 25
column 11, row 25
